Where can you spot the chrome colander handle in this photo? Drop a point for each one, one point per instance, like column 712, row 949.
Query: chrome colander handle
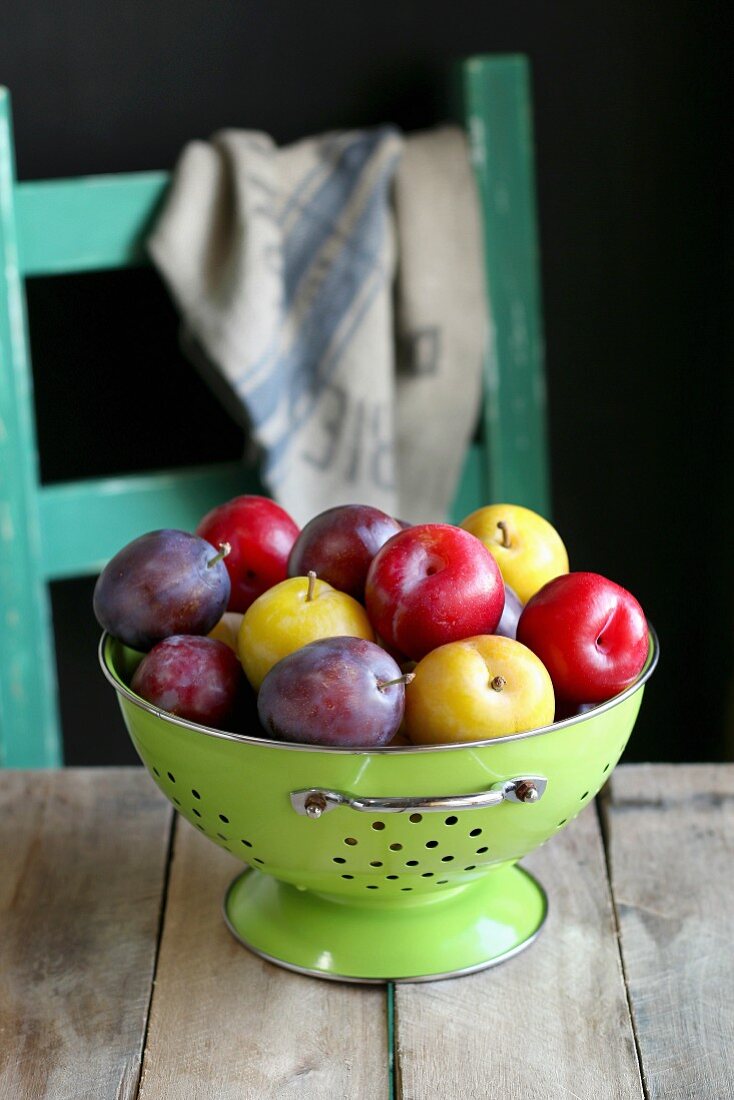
column 317, row 801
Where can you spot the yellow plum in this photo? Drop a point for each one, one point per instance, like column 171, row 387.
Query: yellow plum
column 478, row 688
column 292, row 614
column 227, row 629
column 526, row 547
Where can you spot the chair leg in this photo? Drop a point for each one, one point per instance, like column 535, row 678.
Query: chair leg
column 29, row 727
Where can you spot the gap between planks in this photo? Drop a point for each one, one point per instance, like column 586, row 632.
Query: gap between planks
column 552, row 1022
column 225, row 1024
column 603, row 820
column 159, row 936
column 80, row 900
column 670, row 841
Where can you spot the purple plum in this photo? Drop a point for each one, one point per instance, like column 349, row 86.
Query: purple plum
column 334, row 691
column 163, row 583
column 507, row 626
column 570, row 710
column 193, row 677
column 339, row 544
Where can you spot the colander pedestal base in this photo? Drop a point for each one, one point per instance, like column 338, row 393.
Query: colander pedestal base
column 456, row 931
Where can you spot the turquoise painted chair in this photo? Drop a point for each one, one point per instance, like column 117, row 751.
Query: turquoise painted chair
column 48, row 532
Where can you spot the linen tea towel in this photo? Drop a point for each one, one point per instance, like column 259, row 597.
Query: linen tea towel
column 282, row 263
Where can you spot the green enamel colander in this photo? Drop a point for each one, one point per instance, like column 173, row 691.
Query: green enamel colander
column 384, row 864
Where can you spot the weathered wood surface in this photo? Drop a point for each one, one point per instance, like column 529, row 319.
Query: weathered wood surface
column 82, row 866
column 83, row 870
column 552, row 1022
column 671, row 851
column 225, row 1025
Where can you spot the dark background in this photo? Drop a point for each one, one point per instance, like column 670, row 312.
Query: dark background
column 632, row 117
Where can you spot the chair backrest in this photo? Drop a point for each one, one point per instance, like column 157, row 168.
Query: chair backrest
column 49, row 532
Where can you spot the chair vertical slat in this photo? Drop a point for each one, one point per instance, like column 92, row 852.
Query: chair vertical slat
column 497, row 108
column 29, row 730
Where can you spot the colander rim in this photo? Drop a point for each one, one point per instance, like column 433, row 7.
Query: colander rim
column 290, row 746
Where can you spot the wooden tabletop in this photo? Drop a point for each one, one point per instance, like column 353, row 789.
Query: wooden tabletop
column 119, row 979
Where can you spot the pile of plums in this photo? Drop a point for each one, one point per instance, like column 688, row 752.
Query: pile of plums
column 361, row 631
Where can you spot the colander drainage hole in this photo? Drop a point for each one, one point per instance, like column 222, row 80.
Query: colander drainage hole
column 156, row 772
column 246, row 843
column 224, row 819
column 350, row 840
column 563, row 822
column 471, row 867
column 427, row 874
column 446, row 859
column 396, row 847
column 583, row 796
column 347, row 876
column 441, row 881
column 606, row 768
column 411, row 863
column 336, row 859
column 451, row 820
column 475, row 832
column 195, row 793
column 177, row 802
column 258, row 860
column 431, row 844
column 375, row 863
column 391, row 876
column 198, row 826
column 481, row 851
column 378, row 825
column 415, row 818
column 371, row 887
column 406, row 888
column 171, row 776
column 195, row 811
column 222, row 836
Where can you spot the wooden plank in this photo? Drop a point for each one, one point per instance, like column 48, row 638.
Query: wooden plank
column 84, row 863
column 671, row 851
column 87, row 224
column 552, row 1022
column 84, row 523
column 30, row 734
column 497, row 107
column 224, row 1024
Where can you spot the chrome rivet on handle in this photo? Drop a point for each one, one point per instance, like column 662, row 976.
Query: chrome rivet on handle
column 314, row 806
column 526, row 791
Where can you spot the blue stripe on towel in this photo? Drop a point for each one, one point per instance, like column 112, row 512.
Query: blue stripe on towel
column 321, row 214
column 303, row 373
column 325, row 164
column 297, row 372
column 316, row 223
column 277, row 451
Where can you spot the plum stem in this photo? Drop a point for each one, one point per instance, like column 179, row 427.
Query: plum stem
column 406, row 679
column 505, row 533
column 224, row 549
column 311, row 585
column 498, row 683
